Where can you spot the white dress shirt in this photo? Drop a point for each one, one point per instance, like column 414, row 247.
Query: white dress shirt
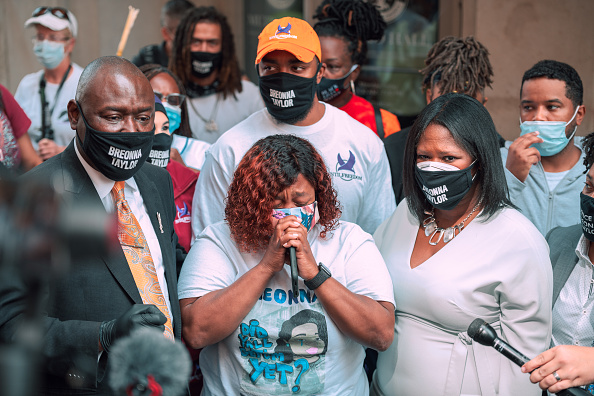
column 103, row 185
column 572, row 313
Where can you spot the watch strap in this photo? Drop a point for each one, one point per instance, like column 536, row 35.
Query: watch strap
column 320, row 278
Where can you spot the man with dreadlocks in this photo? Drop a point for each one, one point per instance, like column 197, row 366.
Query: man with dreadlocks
column 344, row 27
column 571, row 361
column 453, row 64
column 543, row 169
column 204, row 59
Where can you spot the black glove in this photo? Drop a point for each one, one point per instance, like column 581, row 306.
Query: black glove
column 140, row 315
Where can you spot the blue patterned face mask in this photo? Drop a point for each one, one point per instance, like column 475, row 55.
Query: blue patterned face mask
column 552, row 132
column 308, row 214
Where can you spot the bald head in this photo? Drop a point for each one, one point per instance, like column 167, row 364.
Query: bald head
column 103, row 69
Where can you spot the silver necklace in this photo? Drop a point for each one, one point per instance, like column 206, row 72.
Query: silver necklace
column 210, row 125
column 432, row 229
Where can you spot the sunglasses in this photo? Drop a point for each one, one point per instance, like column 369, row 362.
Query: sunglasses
column 59, row 12
column 173, row 99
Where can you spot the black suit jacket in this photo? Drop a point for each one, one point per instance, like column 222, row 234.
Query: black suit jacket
column 562, row 243
column 99, row 288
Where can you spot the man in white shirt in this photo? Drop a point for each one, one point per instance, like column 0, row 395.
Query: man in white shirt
column 204, row 59
column 55, row 84
column 104, row 297
column 289, row 66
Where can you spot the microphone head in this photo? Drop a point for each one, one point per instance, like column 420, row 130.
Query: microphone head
column 482, row 332
column 146, row 356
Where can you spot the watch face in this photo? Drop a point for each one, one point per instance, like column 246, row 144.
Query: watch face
column 325, row 269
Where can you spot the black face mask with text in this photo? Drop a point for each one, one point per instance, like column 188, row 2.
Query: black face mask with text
column 117, row 155
column 159, row 155
column 444, row 189
column 205, row 63
column 587, row 216
column 288, row 96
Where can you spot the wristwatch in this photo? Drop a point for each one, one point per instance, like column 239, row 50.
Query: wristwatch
column 320, row 278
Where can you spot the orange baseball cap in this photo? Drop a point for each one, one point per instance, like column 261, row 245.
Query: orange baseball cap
column 292, row 35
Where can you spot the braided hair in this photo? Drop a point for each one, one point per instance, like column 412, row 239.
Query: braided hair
column 588, row 147
column 355, row 21
column 458, row 65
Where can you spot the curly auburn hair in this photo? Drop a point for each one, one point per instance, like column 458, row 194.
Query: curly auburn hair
column 180, row 62
column 269, row 167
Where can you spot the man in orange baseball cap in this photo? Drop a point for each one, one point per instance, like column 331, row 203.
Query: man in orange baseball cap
column 290, row 68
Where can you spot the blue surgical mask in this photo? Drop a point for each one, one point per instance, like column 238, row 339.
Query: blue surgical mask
column 552, row 132
column 49, row 53
column 174, row 115
column 308, row 214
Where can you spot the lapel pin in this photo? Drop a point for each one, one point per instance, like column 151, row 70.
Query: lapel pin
column 160, row 224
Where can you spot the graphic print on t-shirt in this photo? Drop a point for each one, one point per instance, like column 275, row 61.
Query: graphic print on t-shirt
column 283, row 350
column 345, row 169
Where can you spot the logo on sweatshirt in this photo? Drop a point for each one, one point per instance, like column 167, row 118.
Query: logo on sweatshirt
column 346, row 169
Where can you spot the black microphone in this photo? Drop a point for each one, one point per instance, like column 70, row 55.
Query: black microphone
column 294, row 271
column 484, row 334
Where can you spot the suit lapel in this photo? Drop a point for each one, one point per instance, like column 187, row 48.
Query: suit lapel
column 78, row 186
column 565, row 264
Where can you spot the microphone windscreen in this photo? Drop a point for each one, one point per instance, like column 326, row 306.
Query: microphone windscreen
column 146, row 352
column 474, row 327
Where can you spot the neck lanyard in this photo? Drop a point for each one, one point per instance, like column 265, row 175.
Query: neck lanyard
column 46, row 122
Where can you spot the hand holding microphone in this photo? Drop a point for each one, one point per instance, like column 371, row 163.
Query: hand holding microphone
column 481, row 332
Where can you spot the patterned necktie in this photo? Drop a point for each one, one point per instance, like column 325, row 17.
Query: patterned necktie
column 138, row 256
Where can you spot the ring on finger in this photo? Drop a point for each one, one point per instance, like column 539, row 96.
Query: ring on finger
column 556, row 376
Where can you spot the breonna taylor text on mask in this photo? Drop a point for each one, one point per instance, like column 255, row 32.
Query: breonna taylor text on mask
column 436, row 195
column 124, row 159
column 282, row 99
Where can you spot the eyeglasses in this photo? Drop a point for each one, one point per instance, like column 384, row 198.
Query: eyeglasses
column 173, row 99
column 59, row 12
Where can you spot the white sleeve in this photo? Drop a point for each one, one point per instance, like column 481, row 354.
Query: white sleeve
column 365, row 270
column 208, row 205
column 525, row 300
column 207, row 268
column 378, row 200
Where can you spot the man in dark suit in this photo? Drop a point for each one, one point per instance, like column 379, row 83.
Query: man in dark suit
column 101, row 298
column 571, row 361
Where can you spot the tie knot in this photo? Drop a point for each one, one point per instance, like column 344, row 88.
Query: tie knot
column 118, row 191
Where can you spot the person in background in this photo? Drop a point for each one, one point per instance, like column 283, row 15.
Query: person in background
column 543, row 166
column 44, row 95
column 260, row 338
column 171, row 14
column 168, row 87
column 16, row 151
column 572, row 256
column 457, row 250
column 289, row 66
column 453, row 64
column 204, row 58
column 344, row 27
column 183, row 178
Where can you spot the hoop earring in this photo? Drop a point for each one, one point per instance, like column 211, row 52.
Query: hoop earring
column 353, row 87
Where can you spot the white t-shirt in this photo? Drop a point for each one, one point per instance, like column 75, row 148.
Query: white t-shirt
column 228, row 112
column 253, row 360
column 27, row 94
column 354, row 156
column 191, row 150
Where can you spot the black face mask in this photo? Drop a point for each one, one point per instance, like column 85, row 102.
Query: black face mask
column 444, row 189
column 587, row 216
column 205, row 63
column 159, row 155
column 330, row 88
column 117, row 155
column 288, row 96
